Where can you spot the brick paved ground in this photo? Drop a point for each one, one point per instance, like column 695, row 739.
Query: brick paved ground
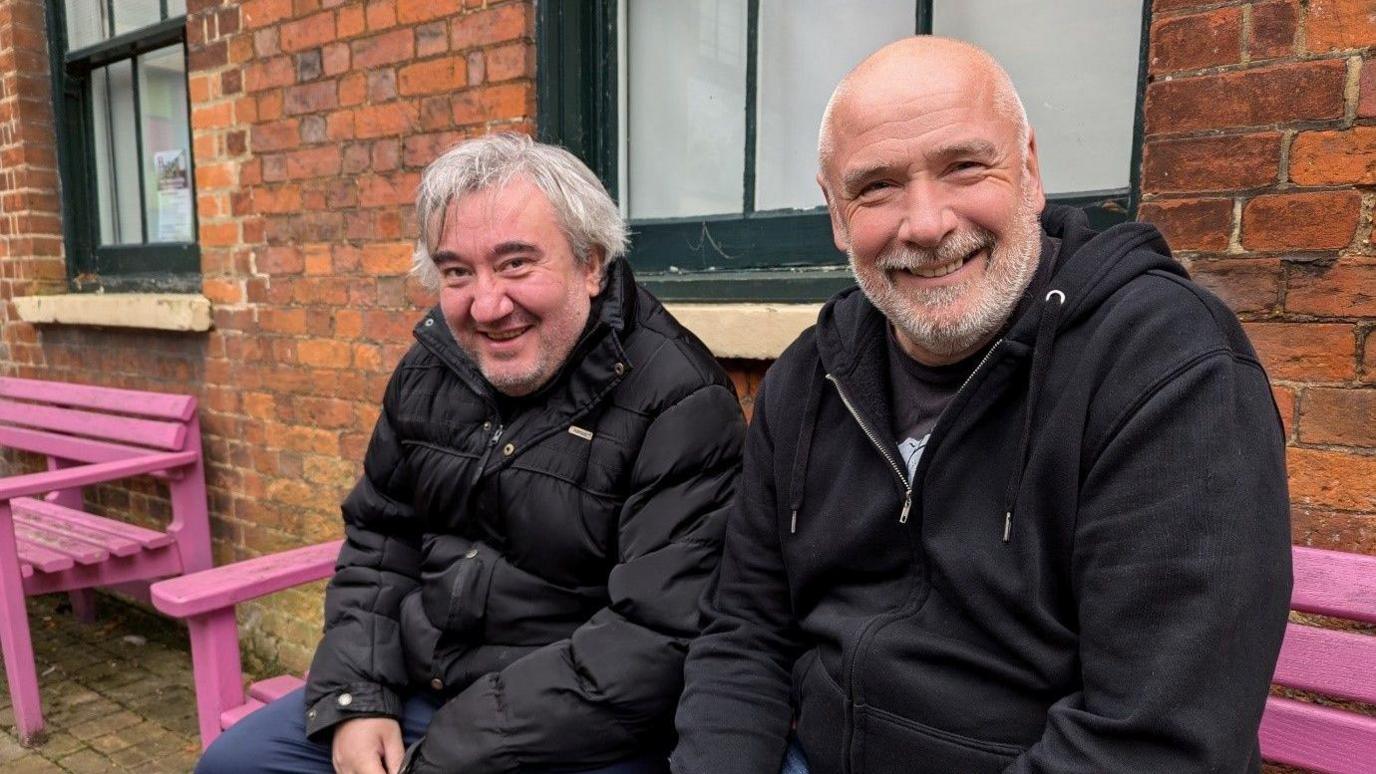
column 116, row 695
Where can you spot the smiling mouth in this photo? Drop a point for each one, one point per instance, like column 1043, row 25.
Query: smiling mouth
column 504, row 335
column 941, row 270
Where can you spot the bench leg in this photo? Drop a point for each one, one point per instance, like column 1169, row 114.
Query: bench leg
column 83, row 605
column 215, row 665
column 15, row 643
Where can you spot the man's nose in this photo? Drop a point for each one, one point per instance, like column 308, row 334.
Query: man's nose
column 927, row 217
column 490, row 301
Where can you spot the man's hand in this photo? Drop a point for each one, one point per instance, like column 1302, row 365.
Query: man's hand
column 368, row 746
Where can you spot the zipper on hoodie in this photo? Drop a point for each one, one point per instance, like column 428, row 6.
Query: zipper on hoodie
column 883, row 450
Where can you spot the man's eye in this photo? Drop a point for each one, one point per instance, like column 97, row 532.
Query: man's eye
column 966, row 166
column 875, row 186
column 454, row 272
column 515, row 264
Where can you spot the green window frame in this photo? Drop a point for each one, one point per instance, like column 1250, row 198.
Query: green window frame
column 145, row 266
column 791, row 257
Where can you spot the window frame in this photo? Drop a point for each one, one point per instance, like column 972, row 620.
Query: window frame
column 792, row 255
column 141, row 267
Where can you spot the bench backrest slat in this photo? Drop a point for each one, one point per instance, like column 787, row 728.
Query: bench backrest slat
column 1330, row 662
column 1320, row 738
column 156, row 405
column 66, row 446
column 1334, row 583
column 145, row 432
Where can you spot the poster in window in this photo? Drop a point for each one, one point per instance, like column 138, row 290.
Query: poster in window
column 174, row 195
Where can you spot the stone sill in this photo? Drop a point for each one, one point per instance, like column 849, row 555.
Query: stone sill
column 149, row 311
column 751, row 331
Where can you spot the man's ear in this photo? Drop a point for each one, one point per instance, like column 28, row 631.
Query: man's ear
column 594, row 268
column 838, row 229
column 1032, row 169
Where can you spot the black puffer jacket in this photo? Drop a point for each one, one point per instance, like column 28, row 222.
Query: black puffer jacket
column 542, row 576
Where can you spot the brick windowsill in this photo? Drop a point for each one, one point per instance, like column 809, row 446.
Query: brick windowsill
column 149, row 311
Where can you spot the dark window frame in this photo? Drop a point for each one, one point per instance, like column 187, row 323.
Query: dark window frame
column 791, row 253
column 91, row 266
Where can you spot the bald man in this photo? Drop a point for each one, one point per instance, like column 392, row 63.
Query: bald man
column 1015, row 504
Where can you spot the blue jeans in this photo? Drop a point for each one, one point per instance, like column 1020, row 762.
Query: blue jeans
column 273, row 741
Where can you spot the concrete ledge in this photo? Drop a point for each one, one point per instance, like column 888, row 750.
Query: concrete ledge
column 155, row 311
column 753, row 331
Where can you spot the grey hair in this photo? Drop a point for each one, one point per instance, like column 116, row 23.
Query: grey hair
column 587, row 215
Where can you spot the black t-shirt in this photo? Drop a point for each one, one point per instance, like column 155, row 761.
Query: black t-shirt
column 920, row 393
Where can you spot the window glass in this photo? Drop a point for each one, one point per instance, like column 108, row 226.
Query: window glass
column 166, row 145
column 805, row 47
column 685, row 82
column 116, row 154
column 131, row 15
column 176, row 8
column 1074, row 63
column 87, row 23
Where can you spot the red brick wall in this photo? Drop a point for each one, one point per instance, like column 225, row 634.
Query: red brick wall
column 311, row 122
column 1258, row 164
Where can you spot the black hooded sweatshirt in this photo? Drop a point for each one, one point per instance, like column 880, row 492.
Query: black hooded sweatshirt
column 1090, row 572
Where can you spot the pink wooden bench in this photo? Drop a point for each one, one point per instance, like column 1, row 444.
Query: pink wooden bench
column 1337, row 664
column 207, row 599
column 89, row 435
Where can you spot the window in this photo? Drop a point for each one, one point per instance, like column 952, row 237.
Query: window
column 701, row 117
column 124, row 144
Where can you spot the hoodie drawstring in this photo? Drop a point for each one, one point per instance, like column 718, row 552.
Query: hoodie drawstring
column 804, row 448
column 1041, row 363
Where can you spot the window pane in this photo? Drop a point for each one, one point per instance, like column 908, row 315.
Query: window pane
column 131, row 15
column 87, row 22
column 1081, row 99
column 117, row 176
column 176, row 8
column 167, row 188
column 806, row 46
column 685, row 76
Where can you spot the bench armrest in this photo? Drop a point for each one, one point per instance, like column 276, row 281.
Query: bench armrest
column 31, row 484
column 222, row 587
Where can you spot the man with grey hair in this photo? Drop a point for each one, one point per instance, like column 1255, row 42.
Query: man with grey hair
column 541, row 507
column 1017, row 504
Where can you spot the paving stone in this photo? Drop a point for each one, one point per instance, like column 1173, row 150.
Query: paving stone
column 110, row 704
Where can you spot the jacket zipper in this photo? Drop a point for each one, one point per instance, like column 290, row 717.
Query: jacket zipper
column 874, row 439
column 487, row 452
column 872, row 625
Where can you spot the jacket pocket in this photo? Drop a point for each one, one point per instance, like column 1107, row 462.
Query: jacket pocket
column 455, row 577
column 887, row 743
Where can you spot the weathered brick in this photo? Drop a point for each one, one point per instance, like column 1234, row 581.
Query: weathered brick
column 378, row 120
column 275, row 135
column 1273, row 30
column 416, row 11
column 1245, row 285
column 1321, row 478
column 381, row 14
column 387, row 48
column 1334, row 530
column 309, row 32
column 313, row 162
column 432, row 38
column 1211, row 163
column 1339, row 24
column 1285, row 406
column 1366, row 91
column 1196, row 41
column 334, row 58
column 310, row 98
column 1322, row 220
column 432, row 76
column 1346, row 288
column 1191, row 224
column 516, row 60
column 351, row 21
column 260, row 13
column 492, row 25
column 1335, row 157
column 1342, row 417
column 387, row 258
column 1303, row 91
column 1305, row 352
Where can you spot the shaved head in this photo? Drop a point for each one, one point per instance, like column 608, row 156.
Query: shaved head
column 927, row 62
